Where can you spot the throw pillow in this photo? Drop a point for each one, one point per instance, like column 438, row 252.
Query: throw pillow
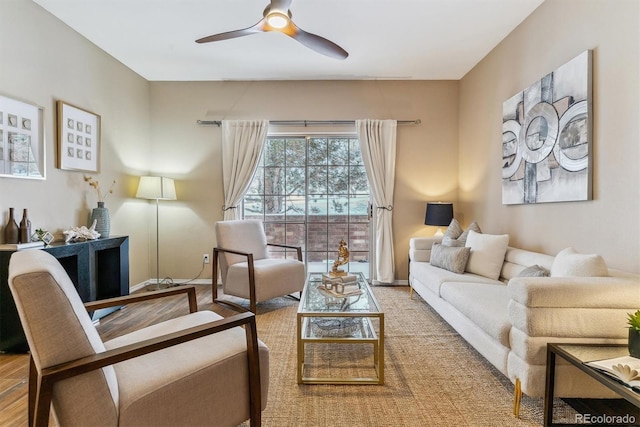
column 534, row 271
column 459, row 239
column 570, row 263
column 487, row 253
column 454, row 230
column 449, row 258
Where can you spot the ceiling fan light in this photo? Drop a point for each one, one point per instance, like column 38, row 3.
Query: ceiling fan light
column 277, row 20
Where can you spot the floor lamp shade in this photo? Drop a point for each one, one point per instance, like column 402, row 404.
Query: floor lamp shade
column 438, row 214
column 157, row 188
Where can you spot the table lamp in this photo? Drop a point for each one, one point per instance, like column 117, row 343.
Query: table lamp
column 438, row 214
column 156, row 188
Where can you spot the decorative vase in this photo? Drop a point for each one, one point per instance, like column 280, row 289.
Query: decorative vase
column 25, row 228
column 634, row 343
column 11, row 230
column 103, row 222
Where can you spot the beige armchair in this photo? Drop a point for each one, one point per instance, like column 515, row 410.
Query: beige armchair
column 245, row 267
column 197, row 369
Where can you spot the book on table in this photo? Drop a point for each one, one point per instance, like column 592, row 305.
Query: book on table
column 625, row 369
column 21, row 246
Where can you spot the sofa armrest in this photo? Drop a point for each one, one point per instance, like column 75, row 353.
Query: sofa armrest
column 420, row 248
column 575, row 292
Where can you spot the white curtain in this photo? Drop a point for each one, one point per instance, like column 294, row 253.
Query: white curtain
column 378, row 146
column 242, row 144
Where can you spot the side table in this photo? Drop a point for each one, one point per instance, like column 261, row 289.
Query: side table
column 576, row 355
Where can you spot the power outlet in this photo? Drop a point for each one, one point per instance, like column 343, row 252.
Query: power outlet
column 205, row 258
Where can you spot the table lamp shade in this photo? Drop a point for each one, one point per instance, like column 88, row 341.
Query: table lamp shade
column 438, row 214
column 157, row 188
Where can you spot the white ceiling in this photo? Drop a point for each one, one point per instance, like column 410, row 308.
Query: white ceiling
column 386, row 39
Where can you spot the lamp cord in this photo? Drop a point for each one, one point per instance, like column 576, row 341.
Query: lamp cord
column 171, row 284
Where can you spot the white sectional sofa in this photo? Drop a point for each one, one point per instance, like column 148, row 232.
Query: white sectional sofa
column 510, row 320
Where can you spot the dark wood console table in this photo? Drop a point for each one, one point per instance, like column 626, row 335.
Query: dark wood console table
column 98, row 268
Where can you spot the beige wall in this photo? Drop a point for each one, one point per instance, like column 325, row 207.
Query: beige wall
column 426, row 153
column 556, row 32
column 43, row 61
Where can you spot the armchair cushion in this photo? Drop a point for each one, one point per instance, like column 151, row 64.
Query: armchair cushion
column 274, row 278
column 156, row 382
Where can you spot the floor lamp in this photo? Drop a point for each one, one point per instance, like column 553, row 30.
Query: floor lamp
column 156, row 188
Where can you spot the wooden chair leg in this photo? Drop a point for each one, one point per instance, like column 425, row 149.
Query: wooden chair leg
column 214, row 276
column 33, row 385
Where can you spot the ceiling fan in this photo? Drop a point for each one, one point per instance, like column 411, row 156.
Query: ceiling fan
column 277, row 17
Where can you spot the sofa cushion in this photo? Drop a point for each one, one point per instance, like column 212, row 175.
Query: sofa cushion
column 484, row 304
column 433, row 277
column 569, row 263
column 454, row 236
column 449, row 258
column 487, row 253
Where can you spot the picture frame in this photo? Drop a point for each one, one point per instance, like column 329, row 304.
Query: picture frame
column 547, row 133
column 22, row 144
column 78, row 138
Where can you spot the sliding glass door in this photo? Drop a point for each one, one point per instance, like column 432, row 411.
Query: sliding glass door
column 312, row 191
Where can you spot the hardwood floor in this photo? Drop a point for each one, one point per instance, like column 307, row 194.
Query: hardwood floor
column 14, row 368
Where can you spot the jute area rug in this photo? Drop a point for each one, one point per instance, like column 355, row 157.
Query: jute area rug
column 432, row 376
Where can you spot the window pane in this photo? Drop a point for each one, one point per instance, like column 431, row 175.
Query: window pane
column 317, row 208
column 253, row 207
column 295, row 207
column 355, row 156
column 339, row 179
column 317, row 151
column 256, row 184
column 358, row 206
column 273, row 181
column 338, row 151
column 338, row 209
column 317, row 237
column 295, row 181
column 274, row 207
column 358, row 180
column 318, row 180
column 295, row 234
column 273, row 153
column 359, row 237
column 296, row 152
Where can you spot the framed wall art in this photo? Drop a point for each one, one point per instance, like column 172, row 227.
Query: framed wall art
column 546, row 138
column 22, row 148
column 78, row 138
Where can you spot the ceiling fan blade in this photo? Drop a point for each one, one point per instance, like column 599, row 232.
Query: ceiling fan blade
column 257, row 28
column 317, row 43
column 280, row 6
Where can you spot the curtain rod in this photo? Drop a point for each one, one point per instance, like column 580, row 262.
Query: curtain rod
column 306, row 123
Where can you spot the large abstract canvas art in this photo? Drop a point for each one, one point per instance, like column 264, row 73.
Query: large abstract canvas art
column 546, row 138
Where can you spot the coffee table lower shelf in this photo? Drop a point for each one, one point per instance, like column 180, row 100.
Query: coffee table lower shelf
column 364, row 334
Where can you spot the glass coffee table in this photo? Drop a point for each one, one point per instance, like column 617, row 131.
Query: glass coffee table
column 326, row 319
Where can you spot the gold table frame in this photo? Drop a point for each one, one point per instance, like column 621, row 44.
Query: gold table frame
column 368, row 309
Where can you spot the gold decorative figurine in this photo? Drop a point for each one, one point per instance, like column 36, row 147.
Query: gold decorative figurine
column 343, row 258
